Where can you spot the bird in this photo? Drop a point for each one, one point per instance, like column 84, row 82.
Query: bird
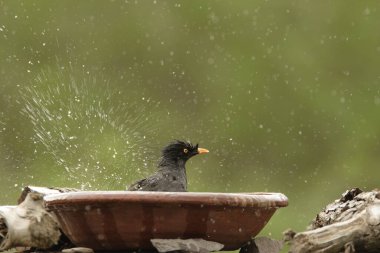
column 171, row 172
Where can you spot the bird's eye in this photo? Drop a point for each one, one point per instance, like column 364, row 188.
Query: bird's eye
column 185, row 150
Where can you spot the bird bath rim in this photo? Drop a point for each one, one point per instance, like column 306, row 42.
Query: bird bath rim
column 255, row 199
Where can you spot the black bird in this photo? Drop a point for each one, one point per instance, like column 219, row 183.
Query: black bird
column 171, row 173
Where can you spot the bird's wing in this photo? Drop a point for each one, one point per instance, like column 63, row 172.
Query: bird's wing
column 147, row 184
column 163, row 180
column 137, row 185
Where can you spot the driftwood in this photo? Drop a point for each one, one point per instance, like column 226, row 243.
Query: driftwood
column 349, row 224
column 29, row 224
column 43, row 191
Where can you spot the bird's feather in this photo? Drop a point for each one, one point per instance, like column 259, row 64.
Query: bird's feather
column 163, row 180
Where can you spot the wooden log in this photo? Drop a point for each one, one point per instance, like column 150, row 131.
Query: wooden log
column 43, row 191
column 28, row 225
column 350, row 224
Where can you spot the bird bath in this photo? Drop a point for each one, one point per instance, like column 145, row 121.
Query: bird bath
column 120, row 220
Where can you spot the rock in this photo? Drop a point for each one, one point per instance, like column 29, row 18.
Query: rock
column 78, row 250
column 189, row 245
column 262, row 245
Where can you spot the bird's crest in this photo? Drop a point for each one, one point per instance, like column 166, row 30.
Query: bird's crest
column 174, row 148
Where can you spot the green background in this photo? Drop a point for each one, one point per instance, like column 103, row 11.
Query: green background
column 285, row 95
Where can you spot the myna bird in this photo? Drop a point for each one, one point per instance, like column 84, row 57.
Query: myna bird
column 171, row 173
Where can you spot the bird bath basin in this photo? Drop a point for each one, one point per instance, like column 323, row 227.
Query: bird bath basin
column 120, row 220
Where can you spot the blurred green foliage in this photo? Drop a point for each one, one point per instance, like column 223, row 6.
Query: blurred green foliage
column 285, row 94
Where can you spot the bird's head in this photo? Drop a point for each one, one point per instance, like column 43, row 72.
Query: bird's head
column 181, row 151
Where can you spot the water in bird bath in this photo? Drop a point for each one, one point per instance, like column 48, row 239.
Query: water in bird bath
column 93, row 133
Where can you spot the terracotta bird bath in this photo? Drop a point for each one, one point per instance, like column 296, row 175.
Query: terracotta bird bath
column 119, row 220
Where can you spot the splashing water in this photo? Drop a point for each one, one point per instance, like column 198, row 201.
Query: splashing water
column 92, row 133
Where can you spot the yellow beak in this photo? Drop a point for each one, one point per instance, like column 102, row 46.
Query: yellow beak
column 202, row 151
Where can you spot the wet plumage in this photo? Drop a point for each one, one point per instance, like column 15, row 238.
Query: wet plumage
column 171, row 171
